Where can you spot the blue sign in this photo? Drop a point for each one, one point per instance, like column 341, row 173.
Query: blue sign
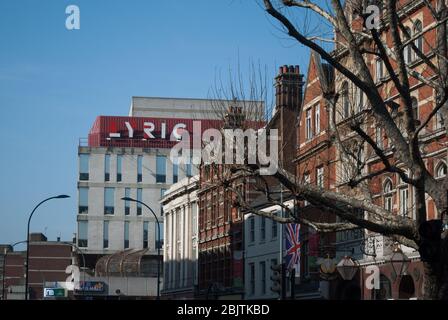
column 92, row 286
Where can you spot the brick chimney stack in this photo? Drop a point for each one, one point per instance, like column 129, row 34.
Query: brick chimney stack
column 288, row 94
column 288, row 88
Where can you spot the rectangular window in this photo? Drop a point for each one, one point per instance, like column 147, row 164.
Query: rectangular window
column 320, row 177
column 317, row 119
column 109, row 195
column 127, row 203
column 251, row 229
column 126, row 234
column 139, row 198
column 145, row 234
column 404, row 201
column 252, row 278
column 106, row 234
column 119, row 165
column 263, row 229
column 139, row 168
column 107, row 167
column 83, row 204
column 274, row 229
column 379, row 69
column 175, row 172
column 308, row 125
column 379, row 137
column 263, row 277
column 83, row 167
column 161, row 169
column 82, row 234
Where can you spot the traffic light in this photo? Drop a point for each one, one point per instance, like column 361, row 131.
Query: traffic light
column 430, row 243
column 278, row 278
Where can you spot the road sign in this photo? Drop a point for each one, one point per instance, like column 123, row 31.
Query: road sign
column 54, row 292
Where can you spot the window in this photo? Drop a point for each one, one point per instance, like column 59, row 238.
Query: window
column 263, row 229
column 385, row 290
column 83, row 167
column 127, row 203
column 252, row 278
column 441, row 170
column 317, row 119
column 139, row 168
column 306, row 180
column 274, row 228
column 83, row 204
column 106, row 234
column 82, row 234
column 119, row 165
column 161, row 169
column 309, row 129
column 407, row 52
column 263, row 277
column 359, row 99
column 438, row 120
column 404, row 201
column 175, row 171
column 379, row 136
column 145, row 234
column 109, row 200
column 107, row 167
column 345, row 100
column 415, row 108
column 251, row 229
column 139, row 198
column 379, row 69
column 419, row 41
column 320, row 177
column 126, row 234
column 387, row 190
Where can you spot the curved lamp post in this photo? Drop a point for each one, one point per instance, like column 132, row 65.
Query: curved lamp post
column 4, row 266
column 347, row 268
column 158, row 240
column 61, row 196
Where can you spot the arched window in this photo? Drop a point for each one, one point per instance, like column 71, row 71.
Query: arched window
column 407, row 52
column 418, row 27
column 441, row 170
column 388, row 196
column 415, row 108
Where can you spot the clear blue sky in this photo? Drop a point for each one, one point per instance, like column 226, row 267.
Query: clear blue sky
column 54, row 82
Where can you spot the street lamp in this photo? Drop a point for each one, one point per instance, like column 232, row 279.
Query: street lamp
column 158, row 240
column 61, row 196
column 4, row 266
column 347, row 268
column 399, row 261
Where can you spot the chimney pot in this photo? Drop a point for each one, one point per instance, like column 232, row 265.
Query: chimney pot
column 285, row 69
column 297, row 69
column 291, row 69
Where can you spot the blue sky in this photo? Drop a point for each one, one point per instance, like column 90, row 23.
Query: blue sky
column 54, row 82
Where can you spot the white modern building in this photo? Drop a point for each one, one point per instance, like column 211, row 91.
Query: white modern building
column 180, row 255
column 262, row 250
column 129, row 157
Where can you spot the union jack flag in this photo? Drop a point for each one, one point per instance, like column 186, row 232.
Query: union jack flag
column 292, row 246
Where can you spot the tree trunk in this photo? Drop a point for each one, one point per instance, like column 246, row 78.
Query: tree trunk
column 435, row 282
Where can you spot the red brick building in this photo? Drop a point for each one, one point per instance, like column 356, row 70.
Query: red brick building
column 48, row 261
column 320, row 161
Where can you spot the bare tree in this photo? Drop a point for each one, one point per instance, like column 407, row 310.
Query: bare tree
column 408, row 60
